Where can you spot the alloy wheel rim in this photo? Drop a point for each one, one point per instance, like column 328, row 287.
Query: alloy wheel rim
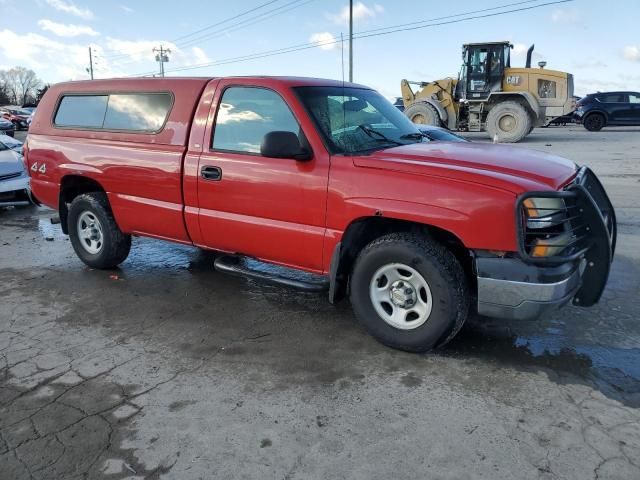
column 90, row 232
column 401, row 296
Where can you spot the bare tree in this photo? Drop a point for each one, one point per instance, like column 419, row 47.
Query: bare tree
column 20, row 84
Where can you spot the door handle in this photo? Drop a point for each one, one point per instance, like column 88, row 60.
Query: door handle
column 211, row 173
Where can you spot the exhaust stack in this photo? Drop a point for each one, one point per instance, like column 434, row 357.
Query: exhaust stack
column 529, row 53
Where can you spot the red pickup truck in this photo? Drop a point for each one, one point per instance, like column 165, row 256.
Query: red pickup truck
column 329, row 179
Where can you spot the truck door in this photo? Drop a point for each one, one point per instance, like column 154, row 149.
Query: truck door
column 268, row 208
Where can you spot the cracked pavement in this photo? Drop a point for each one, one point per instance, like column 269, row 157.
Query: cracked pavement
column 167, row 369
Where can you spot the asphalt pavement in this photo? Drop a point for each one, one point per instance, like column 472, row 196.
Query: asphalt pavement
column 167, row 369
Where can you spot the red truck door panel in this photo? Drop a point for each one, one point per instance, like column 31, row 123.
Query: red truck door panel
column 269, row 208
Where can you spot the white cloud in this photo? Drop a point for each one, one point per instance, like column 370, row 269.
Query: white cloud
column 360, row 12
column 326, row 40
column 126, row 9
column 589, row 63
column 520, row 51
column 60, row 60
column 69, row 7
column 632, row 52
column 49, row 58
column 565, row 16
column 66, row 30
column 200, row 56
column 619, row 82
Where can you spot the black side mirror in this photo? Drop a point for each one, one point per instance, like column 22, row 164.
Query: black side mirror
column 283, row 145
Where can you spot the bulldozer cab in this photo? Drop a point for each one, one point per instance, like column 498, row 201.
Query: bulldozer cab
column 482, row 69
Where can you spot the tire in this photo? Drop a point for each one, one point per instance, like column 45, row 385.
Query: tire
column 108, row 246
column 445, row 297
column 510, row 121
column 423, row 113
column 594, row 122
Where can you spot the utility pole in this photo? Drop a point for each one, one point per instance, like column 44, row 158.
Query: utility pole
column 161, row 57
column 90, row 63
column 351, row 40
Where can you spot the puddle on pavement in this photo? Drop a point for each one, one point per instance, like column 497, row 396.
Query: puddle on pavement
column 600, row 345
column 616, row 371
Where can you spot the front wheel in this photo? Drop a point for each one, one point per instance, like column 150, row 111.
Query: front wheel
column 94, row 233
column 509, row 122
column 409, row 292
column 423, row 113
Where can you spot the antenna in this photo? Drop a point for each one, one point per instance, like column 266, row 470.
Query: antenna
column 344, row 99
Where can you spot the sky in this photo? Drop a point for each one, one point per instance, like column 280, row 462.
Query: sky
column 599, row 43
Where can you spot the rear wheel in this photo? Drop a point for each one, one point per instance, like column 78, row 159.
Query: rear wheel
column 409, row 292
column 94, row 233
column 509, row 121
column 594, row 122
column 423, row 113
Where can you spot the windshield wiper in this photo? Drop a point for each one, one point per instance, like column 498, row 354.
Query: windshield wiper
column 415, row 136
column 376, row 135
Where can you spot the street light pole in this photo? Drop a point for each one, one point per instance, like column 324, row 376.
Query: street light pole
column 351, row 40
column 90, row 63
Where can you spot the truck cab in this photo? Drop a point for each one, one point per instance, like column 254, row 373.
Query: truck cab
column 327, row 180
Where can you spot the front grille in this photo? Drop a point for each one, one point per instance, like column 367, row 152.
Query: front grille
column 9, row 176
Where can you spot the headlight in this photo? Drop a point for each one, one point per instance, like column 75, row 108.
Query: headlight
column 545, row 223
column 544, row 212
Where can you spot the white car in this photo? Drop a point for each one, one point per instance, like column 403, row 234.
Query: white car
column 15, row 186
column 12, row 143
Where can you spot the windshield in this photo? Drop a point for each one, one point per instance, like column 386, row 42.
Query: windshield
column 357, row 120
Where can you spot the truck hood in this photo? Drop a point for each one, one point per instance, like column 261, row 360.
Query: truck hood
column 515, row 169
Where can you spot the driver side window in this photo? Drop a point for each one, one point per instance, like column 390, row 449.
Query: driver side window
column 246, row 115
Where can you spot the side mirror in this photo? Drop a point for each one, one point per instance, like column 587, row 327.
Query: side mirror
column 283, row 145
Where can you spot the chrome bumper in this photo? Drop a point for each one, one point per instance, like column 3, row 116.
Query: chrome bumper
column 15, row 192
column 502, row 296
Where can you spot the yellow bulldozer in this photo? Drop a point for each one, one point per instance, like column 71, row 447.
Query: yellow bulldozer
column 489, row 95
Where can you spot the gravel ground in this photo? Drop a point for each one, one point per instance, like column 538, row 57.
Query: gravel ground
column 167, row 369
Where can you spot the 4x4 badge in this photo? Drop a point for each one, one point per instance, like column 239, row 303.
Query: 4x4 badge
column 34, row 167
column 43, row 168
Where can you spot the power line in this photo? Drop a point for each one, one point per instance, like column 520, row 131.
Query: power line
column 208, row 27
column 369, row 33
column 247, row 22
column 228, row 28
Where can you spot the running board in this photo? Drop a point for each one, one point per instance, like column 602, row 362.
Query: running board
column 277, row 275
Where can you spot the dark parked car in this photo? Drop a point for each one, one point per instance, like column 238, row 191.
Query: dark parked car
column 16, row 115
column 399, row 104
column 598, row 110
column 6, row 127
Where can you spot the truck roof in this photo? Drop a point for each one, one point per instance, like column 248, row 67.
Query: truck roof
column 153, row 83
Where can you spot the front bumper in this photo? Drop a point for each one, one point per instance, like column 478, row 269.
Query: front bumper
column 510, row 288
column 524, row 287
column 15, row 192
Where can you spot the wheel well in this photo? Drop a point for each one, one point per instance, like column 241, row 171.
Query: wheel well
column 596, row 112
column 363, row 231
column 70, row 187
